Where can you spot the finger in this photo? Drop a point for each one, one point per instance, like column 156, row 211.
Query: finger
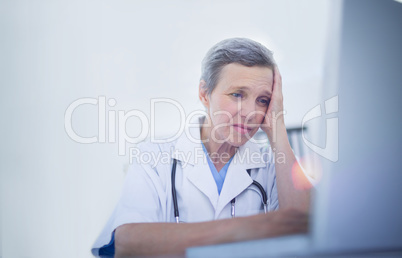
column 277, row 80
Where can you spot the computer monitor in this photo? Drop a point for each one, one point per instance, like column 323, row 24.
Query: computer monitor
column 361, row 191
column 357, row 205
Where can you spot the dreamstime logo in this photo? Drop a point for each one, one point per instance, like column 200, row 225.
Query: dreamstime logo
column 330, row 151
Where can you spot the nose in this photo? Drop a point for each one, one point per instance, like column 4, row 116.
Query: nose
column 248, row 110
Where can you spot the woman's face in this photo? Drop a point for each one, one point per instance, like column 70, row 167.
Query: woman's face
column 238, row 103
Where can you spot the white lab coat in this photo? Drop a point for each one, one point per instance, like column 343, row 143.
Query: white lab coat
column 147, row 192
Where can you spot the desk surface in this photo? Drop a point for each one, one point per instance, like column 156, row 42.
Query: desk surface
column 295, row 245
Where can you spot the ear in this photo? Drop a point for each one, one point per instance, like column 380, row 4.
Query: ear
column 203, row 94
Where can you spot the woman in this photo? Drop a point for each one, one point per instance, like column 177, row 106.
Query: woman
column 241, row 89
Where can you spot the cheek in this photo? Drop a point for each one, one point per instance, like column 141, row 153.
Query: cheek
column 224, row 110
column 260, row 117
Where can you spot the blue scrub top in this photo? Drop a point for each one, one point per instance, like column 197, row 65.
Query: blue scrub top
column 218, row 176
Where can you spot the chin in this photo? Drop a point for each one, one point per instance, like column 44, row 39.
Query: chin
column 240, row 140
column 237, row 145
column 234, row 138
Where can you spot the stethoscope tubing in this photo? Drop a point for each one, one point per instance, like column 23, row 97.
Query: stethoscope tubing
column 233, row 209
column 176, row 208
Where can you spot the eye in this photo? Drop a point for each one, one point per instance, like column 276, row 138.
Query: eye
column 237, row 95
column 264, row 102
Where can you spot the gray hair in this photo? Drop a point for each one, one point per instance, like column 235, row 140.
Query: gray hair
column 234, row 50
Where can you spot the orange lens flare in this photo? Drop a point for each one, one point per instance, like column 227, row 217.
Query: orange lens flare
column 300, row 180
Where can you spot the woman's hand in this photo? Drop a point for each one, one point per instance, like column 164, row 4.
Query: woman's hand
column 274, row 114
column 273, row 224
column 292, row 184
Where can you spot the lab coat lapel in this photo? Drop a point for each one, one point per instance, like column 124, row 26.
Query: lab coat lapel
column 188, row 150
column 237, row 179
column 201, row 177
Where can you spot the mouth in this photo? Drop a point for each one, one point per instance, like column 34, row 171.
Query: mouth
column 243, row 129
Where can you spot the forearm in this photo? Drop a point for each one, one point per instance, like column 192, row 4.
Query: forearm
column 293, row 186
column 143, row 239
column 170, row 238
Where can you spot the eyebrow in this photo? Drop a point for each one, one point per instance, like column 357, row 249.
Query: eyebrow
column 243, row 88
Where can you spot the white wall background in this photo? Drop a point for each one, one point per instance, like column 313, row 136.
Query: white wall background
column 56, row 194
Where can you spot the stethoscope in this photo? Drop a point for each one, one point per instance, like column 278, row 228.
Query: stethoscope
column 233, row 201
